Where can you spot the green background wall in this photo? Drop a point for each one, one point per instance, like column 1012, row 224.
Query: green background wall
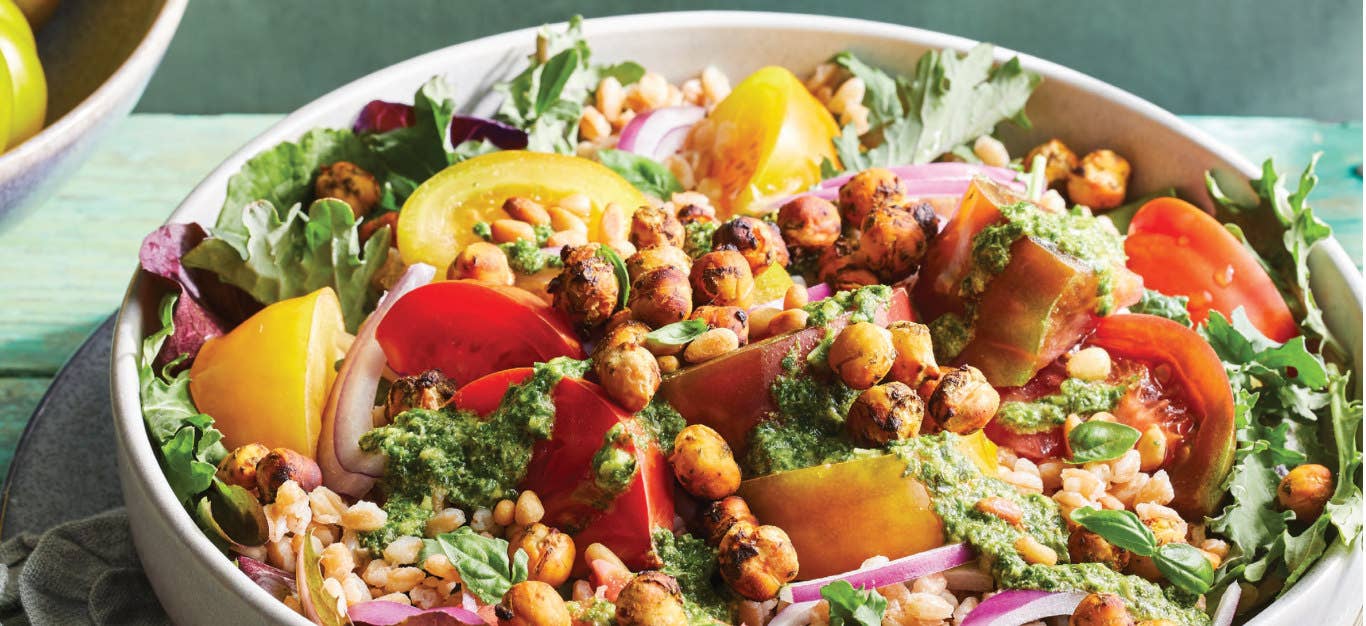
column 1249, row 57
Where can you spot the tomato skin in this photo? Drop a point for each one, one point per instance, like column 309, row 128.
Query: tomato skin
column 468, row 329
column 1179, row 249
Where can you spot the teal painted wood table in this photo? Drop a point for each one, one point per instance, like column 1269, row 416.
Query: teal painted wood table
column 64, row 267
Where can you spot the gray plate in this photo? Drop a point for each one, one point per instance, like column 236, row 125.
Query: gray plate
column 64, row 468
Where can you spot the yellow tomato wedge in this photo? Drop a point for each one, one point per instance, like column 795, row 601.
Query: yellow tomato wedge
column 267, row 380
column 764, row 141
column 437, row 221
column 26, row 88
column 771, row 284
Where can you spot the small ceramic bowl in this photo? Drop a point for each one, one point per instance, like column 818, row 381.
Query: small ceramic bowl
column 191, row 576
column 97, row 56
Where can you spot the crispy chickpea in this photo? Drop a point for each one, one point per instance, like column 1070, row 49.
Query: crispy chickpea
column 349, row 183
column 720, row 515
column 964, row 401
column 550, row 553
column 885, row 413
column 1085, row 546
column 369, row 227
column 722, row 278
column 914, row 353
column 652, row 598
column 484, row 262
column 429, row 390
column 704, row 464
column 756, row 561
column 622, row 331
column 532, row 603
column 696, row 213
column 894, row 239
column 758, row 241
column 281, row 465
column 1305, row 490
column 733, row 317
column 841, row 268
column 661, row 296
column 809, row 222
column 862, row 354
column 655, row 257
column 872, row 188
column 652, row 226
column 1101, row 609
column 239, row 467
column 630, row 375
column 587, row 289
column 1100, row 180
column 1060, row 160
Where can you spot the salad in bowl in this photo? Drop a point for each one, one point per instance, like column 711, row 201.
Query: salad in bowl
column 803, row 346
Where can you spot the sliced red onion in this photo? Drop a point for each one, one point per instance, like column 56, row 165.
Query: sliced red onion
column 819, row 291
column 656, row 134
column 274, row 580
column 889, row 573
column 385, row 613
column 1014, row 607
column 1228, row 605
column 348, row 414
column 798, row 614
column 932, row 171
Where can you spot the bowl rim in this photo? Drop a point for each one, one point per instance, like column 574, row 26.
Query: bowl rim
column 130, row 430
column 83, row 117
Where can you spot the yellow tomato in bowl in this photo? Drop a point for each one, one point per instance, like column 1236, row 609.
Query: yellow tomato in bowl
column 22, row 84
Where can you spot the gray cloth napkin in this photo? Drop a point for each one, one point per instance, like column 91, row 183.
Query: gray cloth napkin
column 81, row 572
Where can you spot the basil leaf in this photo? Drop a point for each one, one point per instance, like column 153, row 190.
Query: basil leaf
column 1185, row 566
column 850, row 606
column 1121, row 528
column 623, row 277
column 1101, row 441
column 644, row 173
column 483, row 562
column 678, row 333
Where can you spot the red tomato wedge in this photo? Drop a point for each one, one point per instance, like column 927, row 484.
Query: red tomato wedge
column 561, row 467
column 468, row 329
column 1179, row 249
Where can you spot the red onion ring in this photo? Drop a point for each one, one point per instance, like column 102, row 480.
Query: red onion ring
column 385, row 613
column 798, row 614
column 656, row 134
column 1228, row 605
column 889, row 573
column 1014, row 607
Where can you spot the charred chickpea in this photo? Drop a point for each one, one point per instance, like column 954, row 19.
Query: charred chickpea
column 1305, row 490
column 733, row 317
column 484, row 262
column 841, row 268
column 885, row 413
column 532, row 603
column 653, row 226
column 1085, row 546
column 809, row 222
column 964, row 401
column 429, row 390
column 349, row 183
column 586, row 290
column 720, row 515
column 758, row 241
column 696, row 213
column 661, row 296
column 526, row 210
column 914, row 353
column 369, row 227
column 655, row 257
column 894, row 239
column 722, row 278
column 756, row 561
column 1100, row 180
column 862, row 354
column 622, row 331
column 1101, row 609
column 652, row 598
column 550, row 553
column 630, row 375
column 704, row 464
column 239, row 467
column 1060, row 160
column 281, row 465
column 867, row 190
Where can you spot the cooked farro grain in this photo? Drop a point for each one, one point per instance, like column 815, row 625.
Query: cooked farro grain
column 403, row 551
column 445, row 521
column 403, row 579
column 364, row 516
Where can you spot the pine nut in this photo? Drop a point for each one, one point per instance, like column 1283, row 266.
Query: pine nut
column 615, row 222
column 760, row 321
column 503, row 512
column 1089, row 364
column 1152, row 448
column 1035, row 552
column 599, row 552
column 566, row 238
column 610, row 98
column 508, row 231
column 529, row 509
column 578, row 204
column 561, row 219
column 711, row 344
column 622, row 247
column 787, row 321
column 991, row 151
column 795, row 298
column 668, row 364
column 526, row 210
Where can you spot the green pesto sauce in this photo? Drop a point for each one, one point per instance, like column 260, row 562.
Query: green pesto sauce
column 862, row 304
column 697, row 237
column 662, row 422
column 809, row 426
column 613, row 464
column 691, row 562
column 956, row 485
column 950, row 334
column 483, row 231
column 525, row 257
column 598, row 612
column 1075, row 396
column 456, row 457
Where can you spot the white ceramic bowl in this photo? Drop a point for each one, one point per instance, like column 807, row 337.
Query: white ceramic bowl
column 198, row 585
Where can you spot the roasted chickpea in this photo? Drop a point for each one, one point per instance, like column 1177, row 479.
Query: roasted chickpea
column 586, row 290
column 1085, row 546
column 756, row 561
column 964, row 401
column 841, row 268
column 696, row 213
column 722, row 278
column 758, row 241
column 914, row 353
column 1305, row 490
column 429, row 390
column 809, row 222
column 526, row 210
column 655, row 257
column 704, row 464
column 281, row 465
column 484, row 262
column 894, row 239
column 1101, row 609
column 652, row 598
column 239, row 467
column 550, row 553
column 885, row 413
column 622, row 331
column 369, row 227
column 1100, row 180
column 349, row 183
column 661, row 296
column 532, row 603
column 733, row 317
column 720, row 515
column 1060, row 160
column 653, row 226
column 872, row 188
column 862, row 354
column 630, row 375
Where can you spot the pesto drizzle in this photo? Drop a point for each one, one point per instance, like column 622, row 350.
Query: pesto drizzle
column 690, row 561
column 1075, row 396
